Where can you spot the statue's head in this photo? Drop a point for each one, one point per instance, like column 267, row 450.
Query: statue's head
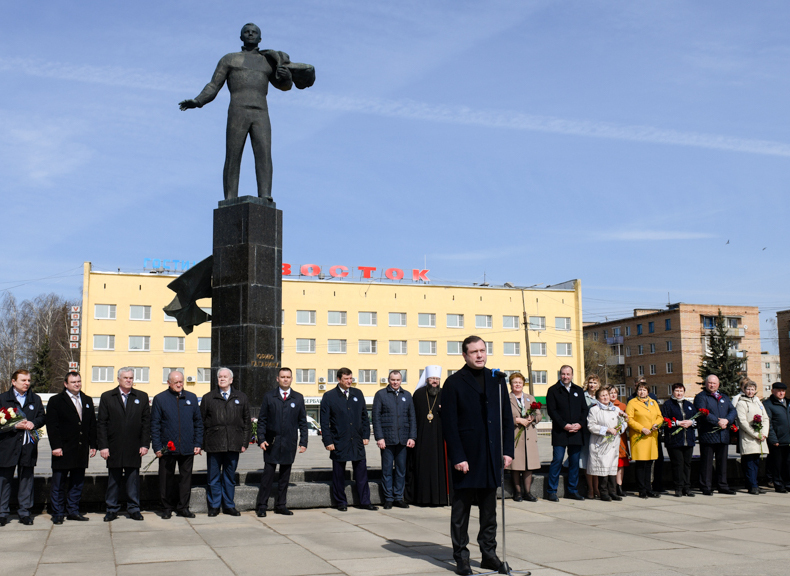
column 251, row 34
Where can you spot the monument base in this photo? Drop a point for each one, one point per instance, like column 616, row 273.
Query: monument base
column 246, row 327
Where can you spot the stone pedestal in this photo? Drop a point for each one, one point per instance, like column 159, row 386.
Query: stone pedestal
column 247, row 294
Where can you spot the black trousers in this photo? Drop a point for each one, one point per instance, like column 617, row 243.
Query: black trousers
column 66, row 491
column 780, row 465
column 360, row 470
column 680, row 458
column 459, row 522
column 175, row 495
column 658, row 468
column 707, row 452
column 642, row 469
column 129, row 478
column 266, row 486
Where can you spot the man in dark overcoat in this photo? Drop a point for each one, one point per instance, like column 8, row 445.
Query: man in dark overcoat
column 478, row 428
column 567, row 409
column 227, row 426
column 124, row 435
column 71, row 428
column 345, row 431
column 778, row 410
column 714, row 435
column 282, row 423
column 18, row 448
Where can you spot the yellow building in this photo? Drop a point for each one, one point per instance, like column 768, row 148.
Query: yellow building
column 369, row 327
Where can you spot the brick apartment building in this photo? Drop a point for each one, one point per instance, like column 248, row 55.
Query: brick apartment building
column 771, row 367
column 666, row 345
column 783, row 328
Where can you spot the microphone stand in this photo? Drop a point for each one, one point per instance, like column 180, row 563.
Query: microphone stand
column 505, row 567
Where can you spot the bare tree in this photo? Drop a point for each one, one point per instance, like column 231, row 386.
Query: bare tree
column 11, row 339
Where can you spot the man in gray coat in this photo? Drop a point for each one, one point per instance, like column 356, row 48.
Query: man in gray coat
column 395, row 429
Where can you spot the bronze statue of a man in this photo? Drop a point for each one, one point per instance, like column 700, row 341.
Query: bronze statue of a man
column 248, row 74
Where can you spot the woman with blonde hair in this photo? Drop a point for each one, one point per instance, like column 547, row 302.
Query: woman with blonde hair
column 605, row 426
column 644, row 420
column 591, row 384
column 526, row 458
column 753, row 426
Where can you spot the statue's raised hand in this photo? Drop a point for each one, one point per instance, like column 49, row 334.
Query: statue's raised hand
column 187, row 104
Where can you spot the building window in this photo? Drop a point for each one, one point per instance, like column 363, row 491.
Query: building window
column 669, row 345
column 104, row 312
column 305, row 376
column 397, row 318
column 305, row 317
column 305, row 345
column 455, row 320
column 174, row 343
column 139, row 312
column 141, row 374
column 449, row 372
column 102, row 374
column 564, row 349
column 539, row 323
column 654, row 391
column 595, row 336
column 540, row 377
column 398, row 347
column 628, row 371
column 509, row 321
column 627, row 350
column 615, row 332
column 103, row 342
column 204, row 375
column 605, row 334
column 768, row 365
column 425, row 320
column 367, row 347
column 638, row 329
column 331, row 375
column 669, row 367
column 336, row 318
column 336, row 346
column 511, row 348
column 620, row 391
column 562, row 323
column 169, row 318
column 489, row 348
column 627, row 333
column 668, row 324
column 651, row 327
column 732, row 322
column 708, row 322
column 139, row 344
column 282, row 317
column 368, row 376
column 166, row 372
column 204, row 345
column 640, row 349
column 652, row 369
column 368, row 319
column 640, row 371
column 454, row 348
column 537, row 348
column 428, row 347
column 652, row 348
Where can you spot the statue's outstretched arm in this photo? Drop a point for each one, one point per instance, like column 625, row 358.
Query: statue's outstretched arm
column 212, row 88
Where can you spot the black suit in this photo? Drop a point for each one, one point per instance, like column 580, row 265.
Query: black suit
column 475, row 420
column 18, row 451
column 75, row 436
column 566, row 406
column 123, row 430
column 281, row 423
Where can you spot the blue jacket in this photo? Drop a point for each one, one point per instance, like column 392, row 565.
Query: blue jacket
column 176, row 418
column 709, row 431
column 282, row 424
column 394, row 419
column 345, row 424
column 779, row 431
column 671, row 409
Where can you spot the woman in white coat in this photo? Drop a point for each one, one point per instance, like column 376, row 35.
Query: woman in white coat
column 753, row 442
column 605, row 426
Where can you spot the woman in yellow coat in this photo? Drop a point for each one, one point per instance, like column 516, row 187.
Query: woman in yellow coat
column 644, row 420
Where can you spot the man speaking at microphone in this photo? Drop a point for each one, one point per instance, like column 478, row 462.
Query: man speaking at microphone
column 474, row 419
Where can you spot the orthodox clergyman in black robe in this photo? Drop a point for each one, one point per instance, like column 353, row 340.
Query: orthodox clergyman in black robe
column 427, row 481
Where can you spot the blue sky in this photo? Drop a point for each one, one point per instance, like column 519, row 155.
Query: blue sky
column 622, row 143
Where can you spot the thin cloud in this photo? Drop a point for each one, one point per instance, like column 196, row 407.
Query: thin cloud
column 656, row 235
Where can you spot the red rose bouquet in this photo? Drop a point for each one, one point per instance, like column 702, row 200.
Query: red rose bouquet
column 702, row 412
column 534, row 407
column 757, row 424
column 9, row 418
column 171, row 447
column 667, row 422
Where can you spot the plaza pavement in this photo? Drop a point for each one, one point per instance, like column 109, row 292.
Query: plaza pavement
column 703, row 536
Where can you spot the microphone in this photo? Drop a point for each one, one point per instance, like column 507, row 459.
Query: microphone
column 497, row 373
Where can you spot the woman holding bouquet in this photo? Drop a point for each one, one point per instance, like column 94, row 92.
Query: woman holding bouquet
column 680, row 439
column 753, row 425
column 605, row 425
column 644, row 420
column 526, row 414
column 591, row 385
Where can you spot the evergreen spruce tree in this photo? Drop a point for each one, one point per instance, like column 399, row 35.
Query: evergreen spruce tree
column 720, row 361
column 42, row 372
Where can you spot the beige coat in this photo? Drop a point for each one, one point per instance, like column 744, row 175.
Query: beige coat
column 526, row 455
column 747, row 436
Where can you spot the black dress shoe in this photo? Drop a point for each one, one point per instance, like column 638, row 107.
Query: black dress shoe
column 529, row 497
column 57, row 519
column 620, row 491
column 492, row 563
column 552, row 497
column 463, row 568
column 368, row 507
column 755, row 491
column 136, row 516
column 689, row 493
column 728, row 491
column 342, row 507
column 707, row 492
column 517, row 497
column 387, row 505
column 26, row 520
column 212, row 512
column 574, row 496
column 781, row 489
column 678, row 493
column 400, row 504
column 231, row 511
column 3, row 521
column 110, row 516
column 283, row 511
column 77, row 517
column 167, row 515
column 643, row 495
column 651, row 494
column 185, row 513
column 260, row 513
column 616, row 498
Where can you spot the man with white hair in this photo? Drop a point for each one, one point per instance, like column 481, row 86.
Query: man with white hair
column 124, row 434
column 227, row 425
column 427, row 481
column 714, row 435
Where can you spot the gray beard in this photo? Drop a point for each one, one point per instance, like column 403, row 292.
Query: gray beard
column 433, row 390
